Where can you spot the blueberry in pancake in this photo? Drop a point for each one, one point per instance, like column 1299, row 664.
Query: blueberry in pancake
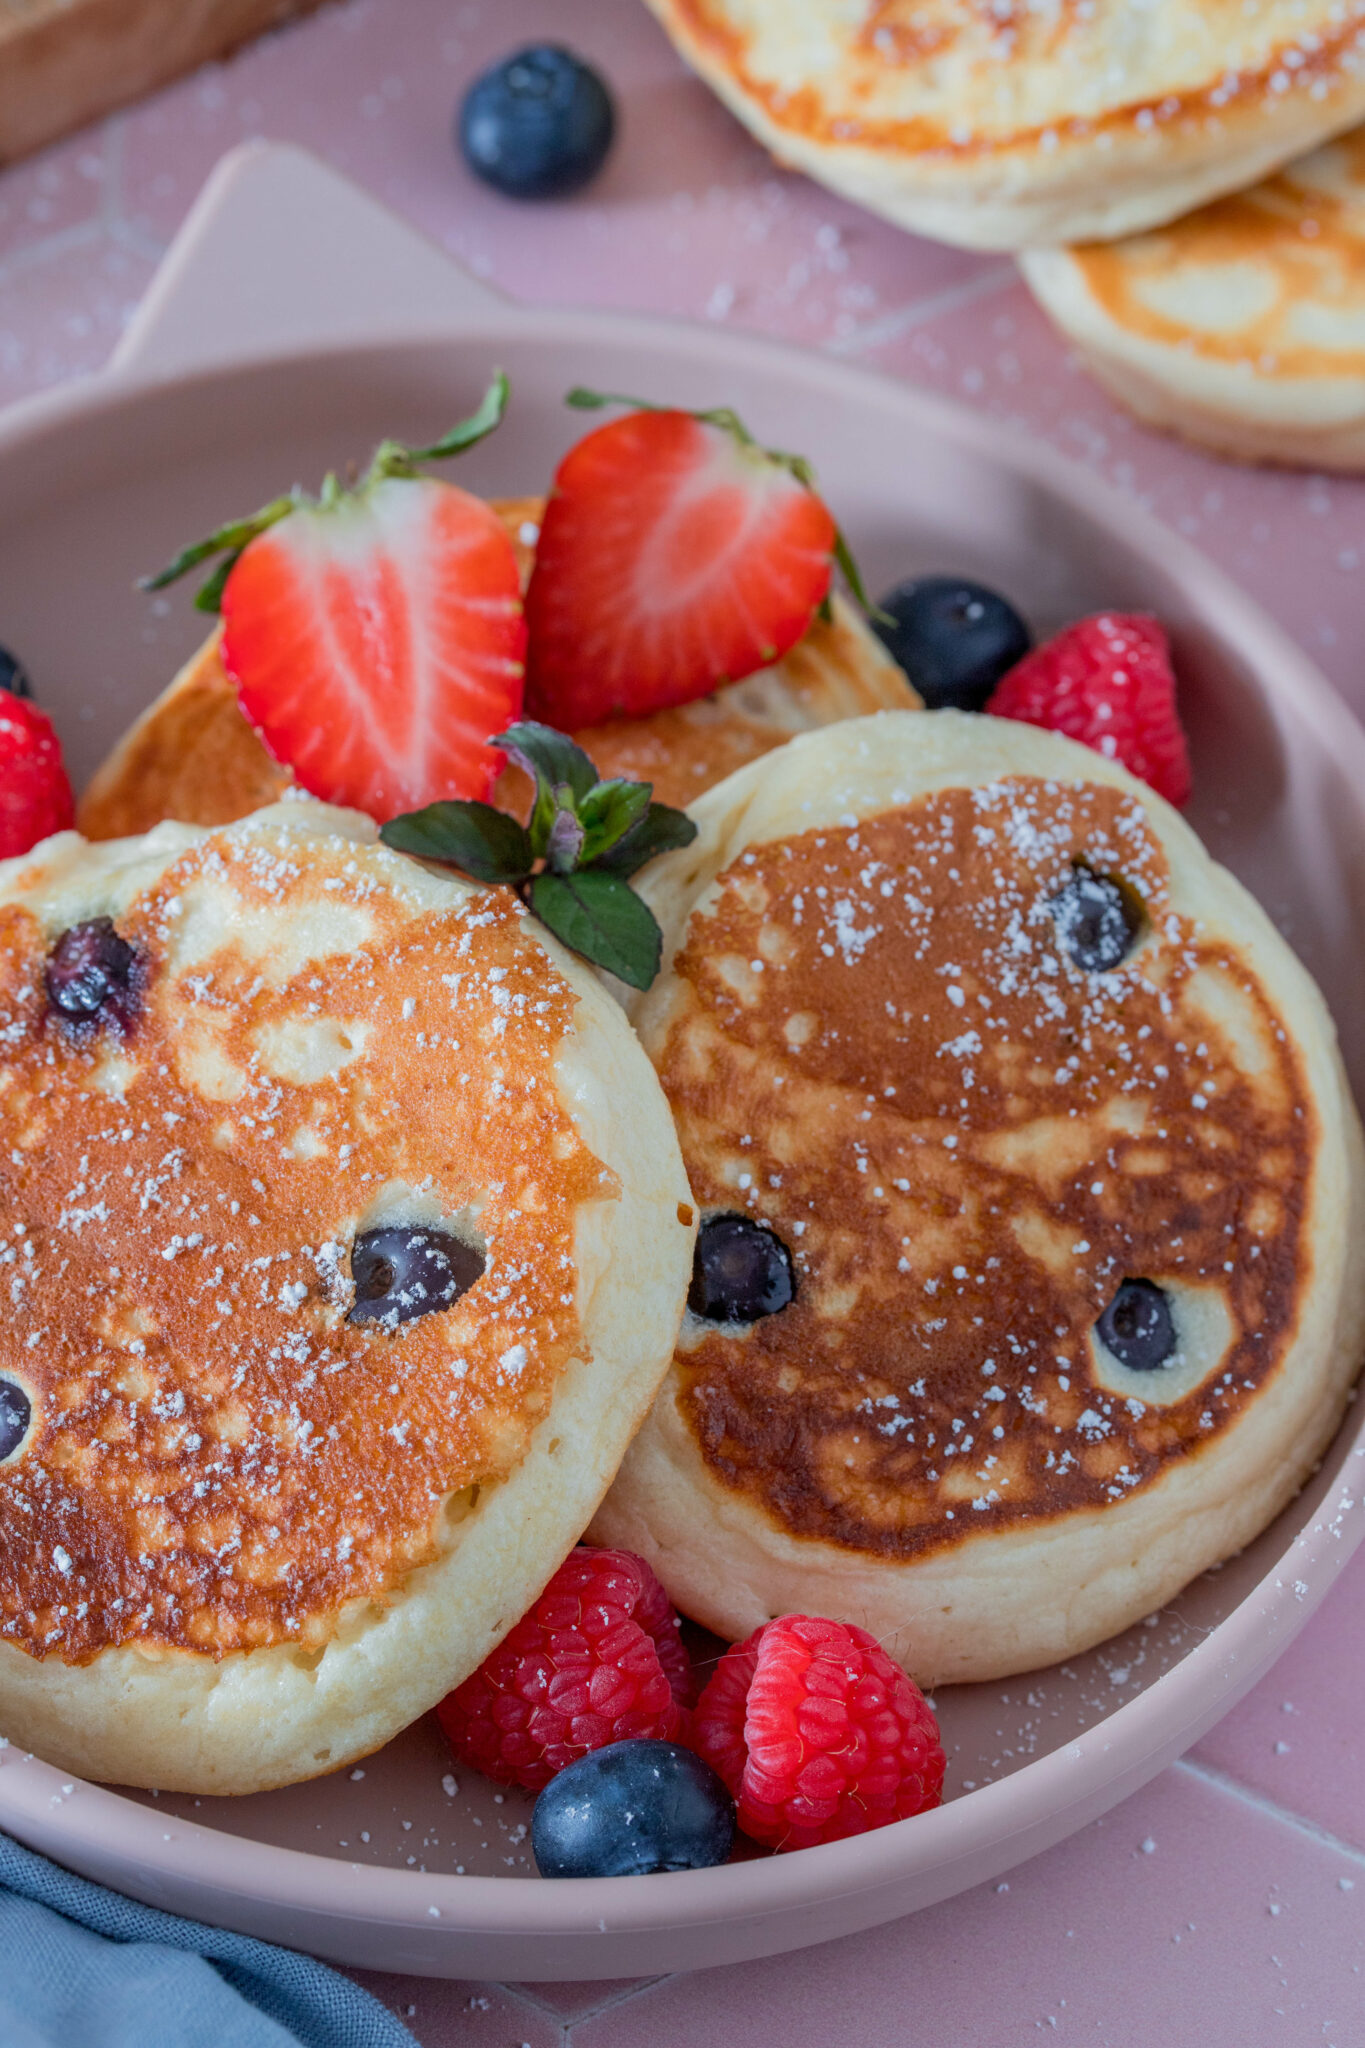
column 1027, row 1283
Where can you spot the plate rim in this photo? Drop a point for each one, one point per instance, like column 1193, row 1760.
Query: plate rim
column 1066, row 1786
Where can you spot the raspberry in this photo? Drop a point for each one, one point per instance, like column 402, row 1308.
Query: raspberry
column 818, row 1734
column 35, row 795
column 598, row 1659
column 1106, row 681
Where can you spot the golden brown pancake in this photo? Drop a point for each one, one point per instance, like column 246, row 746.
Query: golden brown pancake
column 999, row 126
column 877, row 1047
column 247, row 1536
column 1241, row 326
column 192, row 755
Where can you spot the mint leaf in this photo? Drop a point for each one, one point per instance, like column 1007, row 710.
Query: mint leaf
column 600, row 916
column 486, row 843
column 550, row 758
column 660, row 830
column 608, row 812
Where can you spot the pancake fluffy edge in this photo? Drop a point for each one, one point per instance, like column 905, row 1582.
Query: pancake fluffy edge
column 1031, row 1589
column 159, row 1467
column 1000, row 128
column 1242, row 326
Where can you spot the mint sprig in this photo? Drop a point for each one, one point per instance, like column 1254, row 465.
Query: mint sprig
column 571, row 861
column 390, row 458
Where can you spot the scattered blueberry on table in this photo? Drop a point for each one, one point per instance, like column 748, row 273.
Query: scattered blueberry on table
column 537, row 125
column 955, row 639
column 631, row 1809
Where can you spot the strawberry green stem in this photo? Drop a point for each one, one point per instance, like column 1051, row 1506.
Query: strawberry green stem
column 391, row 459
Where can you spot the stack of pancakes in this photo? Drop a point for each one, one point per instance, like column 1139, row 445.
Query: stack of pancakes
column 254, row 1520
column 1106, row 142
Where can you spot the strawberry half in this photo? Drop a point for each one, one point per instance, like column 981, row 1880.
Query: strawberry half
column 674, row 555
column 375, row 634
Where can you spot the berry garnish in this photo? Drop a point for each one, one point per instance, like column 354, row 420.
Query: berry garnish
column 741, row 1270
column 597, row 1660
column 1097, row 920
column 93, row 976
column 13, row 675
column 1137, row 1327
column 954, row 639
column 674, row 555
column 818, row 1733
column 538, row 125
column 572, row 860
column 374, row 633
column 631, row 1809
column 35, row 794
column 405, row 1271
column 1108, row 682
column 16, row 1412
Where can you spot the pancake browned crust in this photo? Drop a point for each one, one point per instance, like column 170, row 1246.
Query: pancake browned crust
column 998, row 126
column 192, row 756
column 1241, row 326
column 873, row 1043
column 247, row 1538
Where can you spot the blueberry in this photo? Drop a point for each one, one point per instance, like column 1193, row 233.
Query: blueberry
column 631, row 1809
column 93, row 976
column 16, row 1411
column 954, row 639
column 1137, row 1327
column 13, row 675
column 741, row 1270
column 407, row 1270
column 538, row 125
column 1097, row 919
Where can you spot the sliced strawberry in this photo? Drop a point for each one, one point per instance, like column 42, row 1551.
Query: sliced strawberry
column 674, row 555
column 375, row 632
column 376, row 642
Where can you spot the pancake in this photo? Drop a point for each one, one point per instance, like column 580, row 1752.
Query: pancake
column 262, row 1516
column 1000, row 126
column 1241, row 326
column 876, row 1048
column 192, row 756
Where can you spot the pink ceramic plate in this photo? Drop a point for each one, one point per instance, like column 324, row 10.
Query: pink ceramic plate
column 292, row 325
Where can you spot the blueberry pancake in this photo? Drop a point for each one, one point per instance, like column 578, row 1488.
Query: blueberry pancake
column 192, row 756
column 1028, row 1281
column 347, row 1238
column 998, row 126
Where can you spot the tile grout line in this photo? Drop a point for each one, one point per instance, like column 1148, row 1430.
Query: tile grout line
column 1222, row 1781
column 920, row 311
column 592, row 2012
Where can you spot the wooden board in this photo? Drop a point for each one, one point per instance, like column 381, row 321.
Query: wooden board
column 63, row 62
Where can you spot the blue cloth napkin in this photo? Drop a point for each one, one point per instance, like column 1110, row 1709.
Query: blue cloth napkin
column 81, row 1967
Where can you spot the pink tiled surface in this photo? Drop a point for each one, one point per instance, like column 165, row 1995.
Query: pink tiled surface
column 1224, row 1905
